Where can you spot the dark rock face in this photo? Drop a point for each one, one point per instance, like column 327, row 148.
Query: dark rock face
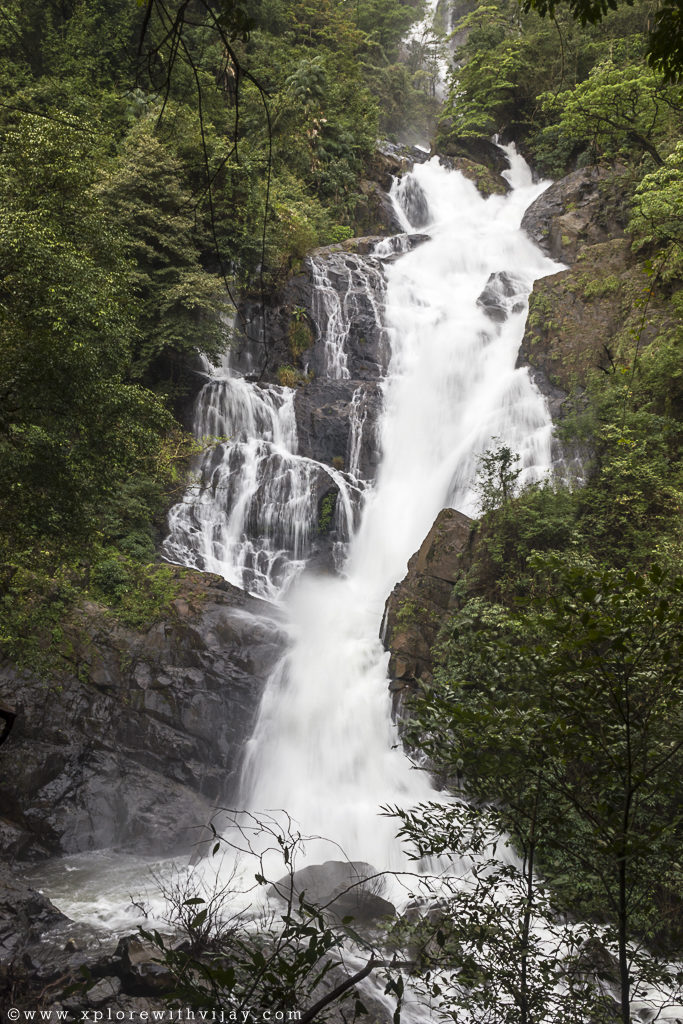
column 580, row 318
column 391, row 161
column 134, row 747
column 580, row 209
column 585, row 318
column 414, row 202
column 42, row 958
column 478, row 151
column 24, row 915
column 418, row 605
column 336, row 422
column 375, row 214
column 346, row 308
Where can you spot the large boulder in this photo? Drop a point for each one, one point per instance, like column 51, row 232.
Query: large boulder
column 341, row 888
column 136, row 740
column 503, row 295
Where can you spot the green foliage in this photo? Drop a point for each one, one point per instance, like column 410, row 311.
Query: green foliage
column 656, row 219
column 617, row 111
column 572, row 94
column 497, row 477
column 598, row 288
column 139, row 594
column 479, row 950
column 289, row 377
column 630, row 503
column 665, row 47
column 326, row 515
column 565, row 713
column 300, row 337
column 179, row 302
column 72, row 427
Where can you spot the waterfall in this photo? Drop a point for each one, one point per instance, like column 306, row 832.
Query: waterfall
column 348, row 293
column 325, row 747
column 433, row 322
column 252, row 513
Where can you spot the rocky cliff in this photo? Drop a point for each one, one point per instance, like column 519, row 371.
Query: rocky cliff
column 134, row 743
column 418, row 605
column 580, row 320
column 588, row 315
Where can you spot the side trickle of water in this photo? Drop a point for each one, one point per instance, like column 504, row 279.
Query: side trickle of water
column 345, row 286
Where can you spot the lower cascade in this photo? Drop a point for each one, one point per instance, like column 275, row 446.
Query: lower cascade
column 325, row 748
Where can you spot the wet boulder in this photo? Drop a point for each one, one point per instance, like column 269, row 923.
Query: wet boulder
column 341, row 888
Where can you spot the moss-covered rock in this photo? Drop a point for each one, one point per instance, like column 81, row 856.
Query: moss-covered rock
column 590, row 316
column 586, row 207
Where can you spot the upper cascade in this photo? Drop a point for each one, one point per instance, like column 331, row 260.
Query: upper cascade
column 261, row 507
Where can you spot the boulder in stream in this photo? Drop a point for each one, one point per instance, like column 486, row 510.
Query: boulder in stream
column 339, row 887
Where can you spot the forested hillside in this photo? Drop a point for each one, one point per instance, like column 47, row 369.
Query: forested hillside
column 156, row 164
column 165, row 168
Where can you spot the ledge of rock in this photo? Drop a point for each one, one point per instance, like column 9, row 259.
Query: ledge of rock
column 582, row 318
column 488, row 181
column 141, row 734
column 586, row 207
column 476, row 151
column 419, row 604
column 390, row 161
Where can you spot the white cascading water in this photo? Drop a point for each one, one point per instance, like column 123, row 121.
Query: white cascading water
column 340, row 281
column 251, row 515
column 325, row 747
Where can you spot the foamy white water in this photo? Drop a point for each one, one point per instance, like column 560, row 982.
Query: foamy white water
column 325, row 748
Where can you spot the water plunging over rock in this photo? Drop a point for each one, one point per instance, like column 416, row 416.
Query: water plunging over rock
column 325, row 747
column 346, row 309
